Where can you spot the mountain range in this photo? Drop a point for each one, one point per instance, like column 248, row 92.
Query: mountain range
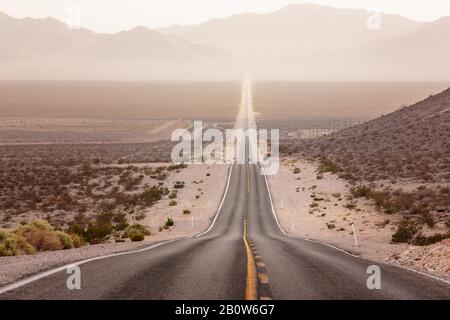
column 298, row 42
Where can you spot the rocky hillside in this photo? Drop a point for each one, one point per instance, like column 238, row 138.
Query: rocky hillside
column 411, row 143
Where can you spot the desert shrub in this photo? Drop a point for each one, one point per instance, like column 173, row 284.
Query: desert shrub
column 173, row 194
column 130, row 182
column 136, row 232
column 422, row 240
column 41, row 235
column 162, row 176
column 77, row 240
column 314, row 205
column 350, row 205
column 390, row 207
column 336, row 195
column 97, row 231
column 406, row 230
column 348, row 176
column 120, row 221
column 12, row 244
column 179, row 184
column 135, row 237
column 296, row 170
column 65, row 239
column 383, row 224
column 381, row 199
column 169, row 223
column 186, row 211
column 176, row 167
column 140, row 216
column 153, row 194
column 172, row 203
column 37, row 224
column 427, row 218
column 326, row 165
column 361, row 192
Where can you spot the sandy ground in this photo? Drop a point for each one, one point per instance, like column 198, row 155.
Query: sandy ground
column 201, row 196
column 316, row 209
column 202, row 211
column 69, row 130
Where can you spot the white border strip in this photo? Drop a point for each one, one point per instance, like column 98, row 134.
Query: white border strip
column 220, row 206
column 342, row 250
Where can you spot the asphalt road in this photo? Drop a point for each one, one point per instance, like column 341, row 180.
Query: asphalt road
column 244, row 255
column 214, row 265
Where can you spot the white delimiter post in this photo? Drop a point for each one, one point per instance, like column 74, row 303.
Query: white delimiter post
column 354, row 234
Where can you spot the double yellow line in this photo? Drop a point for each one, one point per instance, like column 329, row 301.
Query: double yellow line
column 250, row 290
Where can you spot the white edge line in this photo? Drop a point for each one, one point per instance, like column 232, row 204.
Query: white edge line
column 45, row 274
column 342, row 250
column 220, row 206
column 271, row 202
column 419, row 272
column 331, row 246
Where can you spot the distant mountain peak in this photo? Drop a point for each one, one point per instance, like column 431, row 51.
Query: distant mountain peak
column 139, row 29
column 305, row 5
column 5, row 16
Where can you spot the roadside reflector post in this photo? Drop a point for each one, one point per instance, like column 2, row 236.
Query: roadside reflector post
column 354, row 234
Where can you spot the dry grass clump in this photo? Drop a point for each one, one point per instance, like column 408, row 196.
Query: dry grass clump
column 33, row 237
column 41, row 236
column 104, row 227
column 12, row 244
column 135, row 232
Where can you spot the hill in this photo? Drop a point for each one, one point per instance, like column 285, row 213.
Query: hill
column 410, row 143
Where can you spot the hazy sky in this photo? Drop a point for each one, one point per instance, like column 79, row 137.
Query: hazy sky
column 116, row 15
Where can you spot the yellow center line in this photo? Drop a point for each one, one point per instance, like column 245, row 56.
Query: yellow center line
column 250, row 290
column 248, row 179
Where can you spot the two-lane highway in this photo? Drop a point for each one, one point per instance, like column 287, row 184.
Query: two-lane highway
column 244, row 254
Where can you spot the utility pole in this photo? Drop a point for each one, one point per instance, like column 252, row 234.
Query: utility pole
column 101, row 152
